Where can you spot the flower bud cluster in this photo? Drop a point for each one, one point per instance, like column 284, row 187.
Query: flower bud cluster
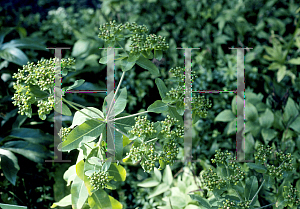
column 170, row 152
column 212, row 180
column 149, row 158
column 142, row 127
column 227, row 204
column 166, row 128
column 42, row 75
column 291, row 196
column 145, row 153
column 147, row 43
column 199, row 103
column 140, row 42
column 179, row 72
column 99, row 179
column 109, row 31
column 64, row 132
column 286, row 161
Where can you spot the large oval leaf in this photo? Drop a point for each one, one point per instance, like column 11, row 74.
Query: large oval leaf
column 86, row 132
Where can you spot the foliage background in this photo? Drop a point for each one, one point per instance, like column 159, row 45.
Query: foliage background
column 213, row 26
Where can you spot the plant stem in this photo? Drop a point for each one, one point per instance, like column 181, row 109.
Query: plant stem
column 69, row 103
column 150, row 140
column 128, row 116
column 258, row 191
column 109, row 110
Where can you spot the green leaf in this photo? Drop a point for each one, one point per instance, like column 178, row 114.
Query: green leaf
column 37, row 92
column 107, row 164
column 296, row 125
column 294, row 61
column 251, row 187
column 174, row 114
column 150, row 182
column 167, row 176
column 268, row 134
column 66, row 110
column 266, row 119
column 4, row 32
column 79, row 193
column 158, row 54
column 251, row 112
column 25, row 43
column 34, row 152
column 6, row 206
column 95, row 161
column 80, row 118
column 158, row 107
column 99, row 200
column 163, row 187
column 157, row 174
column 80, row 169
column 66, row 201
column 9, row 165
column 148, row 65
column 147, row 55
column 127, row 65
column 80, row 47
column 121, row 102
column 225, row 116
column 203, row 202
column 115, row 203
column 161, row 87
column 86, row 132
column 117, row 171
column 35, row 136
column 258, row 168
column 162, row 165
column 281, row 73
column 14, row 55
column 76, row 84
column 70, row 174
column 133, row 58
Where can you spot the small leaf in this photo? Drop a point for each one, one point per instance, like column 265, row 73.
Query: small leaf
column 258, row 168
column 294, row 61
column 150, row 182
column 9, row 165
column 225, row 116
column 66, row 201
column 158, row 54
column 161, row 88
column 158, row 107
column 76, row 84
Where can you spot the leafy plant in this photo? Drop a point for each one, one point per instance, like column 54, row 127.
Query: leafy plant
column 233, row 188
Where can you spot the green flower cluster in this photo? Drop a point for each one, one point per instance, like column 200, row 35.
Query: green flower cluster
column 227, row 204
column 64, row 132
column 99, row 179
column 149, row 158
column 199, row 103
column 211, row 179
column 286, row 161
column 144, row 153
column 147, row 43
column 142, row 127
column 42, row 76
column 170, row 152
column 166, row 128
column 111, row 32
column 290, row 196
